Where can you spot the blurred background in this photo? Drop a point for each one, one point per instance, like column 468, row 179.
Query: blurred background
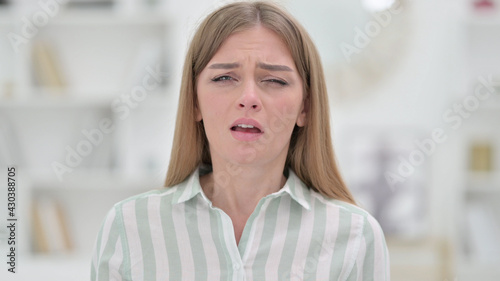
column 88, row 97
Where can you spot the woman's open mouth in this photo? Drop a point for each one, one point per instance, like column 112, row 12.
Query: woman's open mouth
column 246, row 130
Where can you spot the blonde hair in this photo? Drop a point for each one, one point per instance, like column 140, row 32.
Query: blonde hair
column 310, row 154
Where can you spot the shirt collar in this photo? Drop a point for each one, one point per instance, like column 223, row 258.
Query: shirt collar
column 191, row 187
column 297, row 190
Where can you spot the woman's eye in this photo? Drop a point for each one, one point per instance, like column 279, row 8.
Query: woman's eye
column 222, row 78
column 277, row 81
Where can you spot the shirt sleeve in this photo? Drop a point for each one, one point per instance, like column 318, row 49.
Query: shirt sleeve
column 108, row 254
column 372, row 262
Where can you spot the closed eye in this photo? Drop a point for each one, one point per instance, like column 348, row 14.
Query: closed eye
column 226, row 78
column 277, row 81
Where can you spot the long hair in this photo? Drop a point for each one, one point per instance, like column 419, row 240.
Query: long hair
column 310, row 154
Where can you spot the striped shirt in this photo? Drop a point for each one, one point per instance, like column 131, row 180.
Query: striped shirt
column 293, row 234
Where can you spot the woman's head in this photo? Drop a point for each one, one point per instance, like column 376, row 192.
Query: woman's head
column 250, row 98
column 310, row 153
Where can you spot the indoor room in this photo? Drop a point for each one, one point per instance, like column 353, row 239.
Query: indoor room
column 89, row 96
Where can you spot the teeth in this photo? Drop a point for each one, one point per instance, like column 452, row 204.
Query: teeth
column 245, row 126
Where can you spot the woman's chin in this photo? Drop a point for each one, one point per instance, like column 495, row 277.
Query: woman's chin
column 246, row 158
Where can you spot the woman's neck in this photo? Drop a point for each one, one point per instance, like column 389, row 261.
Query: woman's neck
column 238, row 189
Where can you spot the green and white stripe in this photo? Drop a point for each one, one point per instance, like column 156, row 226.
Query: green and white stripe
column 294, row 234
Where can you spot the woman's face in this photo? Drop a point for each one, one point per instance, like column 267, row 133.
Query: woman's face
column 250, row 97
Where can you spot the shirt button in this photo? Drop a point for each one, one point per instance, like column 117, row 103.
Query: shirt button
column 236, row 267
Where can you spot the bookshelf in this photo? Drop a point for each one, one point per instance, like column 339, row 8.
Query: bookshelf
column 478, row 223
column 89, row 65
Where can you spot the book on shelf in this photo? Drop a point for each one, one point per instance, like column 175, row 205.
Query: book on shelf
column 47, row 67
column 50, row 227
column 7, row 90
column 481, row 157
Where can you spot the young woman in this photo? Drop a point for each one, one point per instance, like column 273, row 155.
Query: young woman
column 253, row 190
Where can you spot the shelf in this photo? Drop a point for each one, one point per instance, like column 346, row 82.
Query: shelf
column 94, row 18
column 156, row 99
column 6, row 20
column 483, row 21
column 422, row 259
column 102, row 54
column 484, row 190
column 44, row 267
column 483, row 183
column 53, row 103
column 495, row 106
column 99, row 180
column 474, row 270
column 106, row 18
column 482, row 18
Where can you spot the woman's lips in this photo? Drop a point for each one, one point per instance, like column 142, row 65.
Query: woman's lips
column 246, row 135
column 245, row 129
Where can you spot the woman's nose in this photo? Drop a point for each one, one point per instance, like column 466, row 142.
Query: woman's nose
column 250, row 97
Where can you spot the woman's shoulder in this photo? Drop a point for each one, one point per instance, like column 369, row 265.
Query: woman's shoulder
column 148, row 199
column 339, row 204
column 356, row 215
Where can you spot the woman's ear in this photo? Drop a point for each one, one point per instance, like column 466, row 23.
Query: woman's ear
column 302, row 118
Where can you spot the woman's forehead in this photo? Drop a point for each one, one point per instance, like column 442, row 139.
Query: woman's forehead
column 256, row 43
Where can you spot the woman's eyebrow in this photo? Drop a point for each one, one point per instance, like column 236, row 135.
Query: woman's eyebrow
column 274, row 67
column 224, row 65
column 271, row 67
